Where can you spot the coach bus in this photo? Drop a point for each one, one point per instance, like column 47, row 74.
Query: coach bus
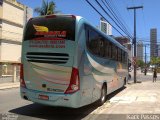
column 69, row 63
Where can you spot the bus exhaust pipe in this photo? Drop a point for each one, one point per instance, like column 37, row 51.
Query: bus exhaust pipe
column 25, row 97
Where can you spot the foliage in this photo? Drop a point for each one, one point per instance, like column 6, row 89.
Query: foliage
column 158, row 70
column 140, row 63
column 155, row 60
column 47, row 8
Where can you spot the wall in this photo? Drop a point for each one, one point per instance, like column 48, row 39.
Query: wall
column 10, row 52
column 11, row 32
column 13, row 13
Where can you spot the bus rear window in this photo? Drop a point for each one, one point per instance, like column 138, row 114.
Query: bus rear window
column 60, row 27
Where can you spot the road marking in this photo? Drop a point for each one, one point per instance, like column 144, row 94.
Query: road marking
column 146, row 99
column 123, row 99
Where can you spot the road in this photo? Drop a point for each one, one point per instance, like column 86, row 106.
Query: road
column 134, row 98
column 12, row 104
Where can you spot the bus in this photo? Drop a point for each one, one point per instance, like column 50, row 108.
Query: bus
column 67, row 62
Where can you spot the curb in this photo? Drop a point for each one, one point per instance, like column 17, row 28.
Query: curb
column 9, row 85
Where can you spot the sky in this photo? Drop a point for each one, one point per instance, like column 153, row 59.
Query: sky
column 147, row 18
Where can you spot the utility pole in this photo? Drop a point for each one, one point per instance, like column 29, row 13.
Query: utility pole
column 145, row 72
column 134, row 39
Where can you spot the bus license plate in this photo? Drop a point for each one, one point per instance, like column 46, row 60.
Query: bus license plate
column 43, row 97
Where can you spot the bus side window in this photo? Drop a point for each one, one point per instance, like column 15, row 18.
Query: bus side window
column 106, row 47
column 114, row 52
column 119, row 55
column 123, row 57
column 87, row 35
column 101, row 47
column 93, row 43
column 110, row 50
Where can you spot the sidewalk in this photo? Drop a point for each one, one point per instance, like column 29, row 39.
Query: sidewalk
column 9, row 85
column 136, row 99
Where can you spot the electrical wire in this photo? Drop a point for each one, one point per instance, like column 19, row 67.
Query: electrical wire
column 114, row 8
column 109, row 8
column 113, row 19
column 104, row 17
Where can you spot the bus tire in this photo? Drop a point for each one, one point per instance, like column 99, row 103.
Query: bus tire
column 102, row 99
column 124, row 83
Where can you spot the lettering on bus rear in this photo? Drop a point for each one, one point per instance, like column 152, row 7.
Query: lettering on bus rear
column 54, row 90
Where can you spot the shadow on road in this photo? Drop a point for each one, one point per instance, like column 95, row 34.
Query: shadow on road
column 47, row 112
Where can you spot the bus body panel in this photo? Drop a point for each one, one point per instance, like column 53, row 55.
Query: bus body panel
column 55, row 77
column 86, row 82
column 69, row 100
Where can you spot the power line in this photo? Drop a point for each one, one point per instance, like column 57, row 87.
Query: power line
column 148, row 42
column 104, row 17
column 116, row 10
column 113, row 19
column 111, row 3
column 109, row 8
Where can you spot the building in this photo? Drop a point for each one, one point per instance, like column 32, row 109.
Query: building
column 158, row 47
column 140, row 50
column 105, row 27
column 13, row 16
column 153, row 42
column 127, row 43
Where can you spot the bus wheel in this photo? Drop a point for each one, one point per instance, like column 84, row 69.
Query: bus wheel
column 124, row 82
column 103, row 96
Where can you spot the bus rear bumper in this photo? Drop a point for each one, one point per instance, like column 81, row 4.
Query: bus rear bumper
column 63, row 100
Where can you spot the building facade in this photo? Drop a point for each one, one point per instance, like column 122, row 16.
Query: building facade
column 158, row 47
column 13, row 16
column 105, row 27
column 153, row 42
column 140, row 51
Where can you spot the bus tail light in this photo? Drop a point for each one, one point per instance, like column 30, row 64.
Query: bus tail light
column 22, row 82
column 74, row 82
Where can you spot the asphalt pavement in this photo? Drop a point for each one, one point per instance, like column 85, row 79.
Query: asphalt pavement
column 11, row 105
column 134, row 99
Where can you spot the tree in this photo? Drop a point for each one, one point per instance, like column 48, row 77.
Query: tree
column 140, row 63
column 154, row 60
column 47, row 8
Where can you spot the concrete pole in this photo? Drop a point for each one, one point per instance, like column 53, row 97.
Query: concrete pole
column 134, row 40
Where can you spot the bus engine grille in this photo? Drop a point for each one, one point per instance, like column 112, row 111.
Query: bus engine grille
column 41, row 57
